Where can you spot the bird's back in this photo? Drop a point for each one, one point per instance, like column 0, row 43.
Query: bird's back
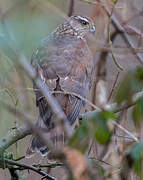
column 64, row 63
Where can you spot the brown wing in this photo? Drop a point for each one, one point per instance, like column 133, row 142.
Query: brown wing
column 64, row 64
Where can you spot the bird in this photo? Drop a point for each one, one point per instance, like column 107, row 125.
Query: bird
column 64, row 62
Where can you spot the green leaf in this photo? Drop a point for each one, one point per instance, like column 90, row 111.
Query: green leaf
column 80, row 139
column 108, row 115
column 137, row 112
column 115, row 1
column 101, row 130
column 70, row 178
column 139, row 73
column 131, row 84
column 136, row 154
column 93, row 125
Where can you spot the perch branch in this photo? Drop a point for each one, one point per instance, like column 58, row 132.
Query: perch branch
column 23, row 131
column 32, row 127
column 14, row 135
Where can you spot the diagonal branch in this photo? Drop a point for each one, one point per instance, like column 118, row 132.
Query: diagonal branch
column 121, row 30
column 61, row 119
column 32, row 129
column 124, row 34
column 14, row 135
column 29, row 167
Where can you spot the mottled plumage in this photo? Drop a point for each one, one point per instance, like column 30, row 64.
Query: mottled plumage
column 65, row 63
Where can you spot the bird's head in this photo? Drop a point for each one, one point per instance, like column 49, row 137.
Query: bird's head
column 76, row 25
column 82, row 25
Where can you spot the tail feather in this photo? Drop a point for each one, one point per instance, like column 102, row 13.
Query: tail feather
column 36, row 144
column 57, row 137
column 71, row 106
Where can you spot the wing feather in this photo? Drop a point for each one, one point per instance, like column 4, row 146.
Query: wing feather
column 64, row 64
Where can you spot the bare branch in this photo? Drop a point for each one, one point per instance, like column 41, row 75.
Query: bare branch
column 124, row 34
column 17, row 134
column 14, row 135
column 126, row 131
column 121, row 29
column 29, row 167
column 71, row 10
column 110, row 41
column 33, row 128
column 112, row 90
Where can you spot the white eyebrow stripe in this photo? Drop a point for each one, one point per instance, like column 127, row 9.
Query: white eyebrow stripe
column 82, row 18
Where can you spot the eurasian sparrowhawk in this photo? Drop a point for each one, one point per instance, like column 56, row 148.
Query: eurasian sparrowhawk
column 64, row 62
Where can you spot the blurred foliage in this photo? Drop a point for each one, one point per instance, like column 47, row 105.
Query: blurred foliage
column 96, row 127
column 138, row 112
column 137, row 157
column 101, row 171
column 131, row 84
column 101, row 129
column 81, row 138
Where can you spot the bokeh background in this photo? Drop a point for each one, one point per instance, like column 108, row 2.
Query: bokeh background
column 28, row 21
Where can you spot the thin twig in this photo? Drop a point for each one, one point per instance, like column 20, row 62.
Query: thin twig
column 79, row 96
column 113, row 87
column 105, row 149
column 124, row 137
column 126, row 131
column 100, row 160
column 71, row 9
column 140, row 39
column 101, row 69
column 99, row 3
column 110, row 41
column 124, row 34
column 90, row 147
column 133, row 30
column 29, row 167
column 121, row 29
column 133, row 16
column 49, row 165
column 126, row 106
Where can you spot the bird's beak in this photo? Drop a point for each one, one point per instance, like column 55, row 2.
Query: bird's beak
column 92, row 29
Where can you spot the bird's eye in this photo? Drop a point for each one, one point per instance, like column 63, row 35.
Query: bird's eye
column 83, row 22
